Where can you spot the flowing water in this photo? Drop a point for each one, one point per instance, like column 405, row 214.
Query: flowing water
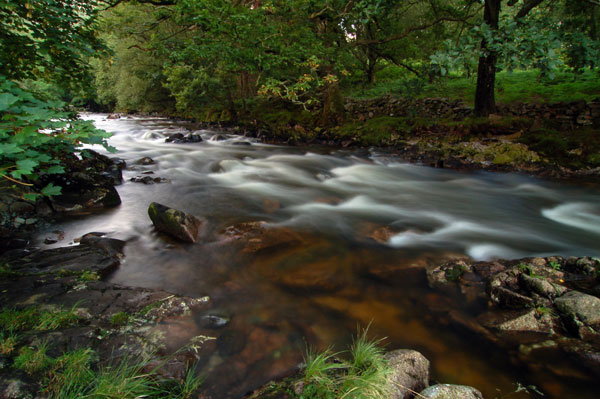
column 333, row 277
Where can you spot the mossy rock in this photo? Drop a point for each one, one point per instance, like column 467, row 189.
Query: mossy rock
column 176, row 223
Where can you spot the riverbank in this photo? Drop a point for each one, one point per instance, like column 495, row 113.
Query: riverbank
column 556, row 141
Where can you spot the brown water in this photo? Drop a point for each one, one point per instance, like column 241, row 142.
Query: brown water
column 331, row 278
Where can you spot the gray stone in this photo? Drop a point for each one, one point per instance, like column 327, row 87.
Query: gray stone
column 583, row 307
column 541, row 286
column 174, row 222
column 526, row 322
column 448, row 391
column 17, row 389
column 410, row 372
column 510, row 299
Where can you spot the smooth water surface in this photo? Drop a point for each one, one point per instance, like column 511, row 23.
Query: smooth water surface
column 334, row 276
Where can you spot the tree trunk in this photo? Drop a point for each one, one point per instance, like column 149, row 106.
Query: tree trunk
column 485, row 101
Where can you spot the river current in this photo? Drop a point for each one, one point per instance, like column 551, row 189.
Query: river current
column 335, row 201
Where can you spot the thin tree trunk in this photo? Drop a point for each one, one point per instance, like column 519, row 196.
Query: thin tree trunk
column 485, row 101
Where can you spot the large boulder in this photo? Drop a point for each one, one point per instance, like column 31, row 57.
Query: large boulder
column 410, row 372
column 449, row 391
column 175, row 223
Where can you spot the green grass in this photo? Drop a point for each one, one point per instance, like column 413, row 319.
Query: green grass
column 516, row 86
column 8, row 342
column 119, row 319
column 319, row 364
column 33, row 318
column 33, row 360
column 365, row 375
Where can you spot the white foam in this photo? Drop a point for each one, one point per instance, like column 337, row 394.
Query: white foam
column 580, row 215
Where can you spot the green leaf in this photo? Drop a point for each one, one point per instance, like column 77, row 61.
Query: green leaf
column 51, row 190
column 31, row 196
column 26, row 166
column 9, row 149
column 6, row 100
column 56, row 169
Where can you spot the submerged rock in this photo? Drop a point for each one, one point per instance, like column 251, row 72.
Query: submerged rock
column 148, row 179
column 176, row 223
column 410, row 372
column 145, row 161
column 449, row 391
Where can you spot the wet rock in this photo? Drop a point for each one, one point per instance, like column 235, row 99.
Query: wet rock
column 446, row 274
column 410, row 372
column 231, row 342
column 148, row 180
column 218, row 137
column 102, row 257
column 174, row 137
column 49, row 241
column 111, row 246
column 174, row 222
column 145, row 161
column 257, row 236
column 242, row 143
column 449, row 391
column 179, row 138
column 579, row 307
column 113, row 116
column 21, row 207
column 108, row 169
column 510, row 299
column 527, row 322
column 541, row 286
column 212, row 321
column 585, row 266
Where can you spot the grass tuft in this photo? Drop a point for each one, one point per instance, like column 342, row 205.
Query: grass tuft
column 33, row 360
column 8, row 342
column 319, row 364
column 365, row 375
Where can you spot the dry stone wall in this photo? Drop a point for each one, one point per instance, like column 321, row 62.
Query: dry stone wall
column 565, row 116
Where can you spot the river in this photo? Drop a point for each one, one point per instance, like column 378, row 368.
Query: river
column 335, row 277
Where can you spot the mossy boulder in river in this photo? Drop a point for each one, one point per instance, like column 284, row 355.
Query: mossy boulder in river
column 175, row 223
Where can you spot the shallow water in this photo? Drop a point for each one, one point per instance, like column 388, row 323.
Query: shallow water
column 333, row 277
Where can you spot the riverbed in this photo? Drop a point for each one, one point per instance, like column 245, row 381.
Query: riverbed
column 363, row 224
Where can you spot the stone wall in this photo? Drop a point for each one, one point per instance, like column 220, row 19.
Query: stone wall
column 561, row 115
column 401, row 107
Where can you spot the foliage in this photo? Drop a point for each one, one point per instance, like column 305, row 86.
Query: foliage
column 35, row 132
column 48, row 39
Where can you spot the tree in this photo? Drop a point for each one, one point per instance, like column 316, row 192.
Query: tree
column 43, row 41
column 485, row 102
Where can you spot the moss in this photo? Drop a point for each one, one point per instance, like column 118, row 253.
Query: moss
column 376, row 131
